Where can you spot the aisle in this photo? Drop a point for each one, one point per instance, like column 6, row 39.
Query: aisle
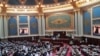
column 69, row 51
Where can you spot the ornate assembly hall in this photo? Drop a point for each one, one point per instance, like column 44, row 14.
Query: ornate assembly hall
column 49, row 27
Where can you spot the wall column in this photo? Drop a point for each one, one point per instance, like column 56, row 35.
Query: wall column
column 43, row 25
column 76, row 22
column 91, row 13
column 80, row 23
column 6, row 26
column 1, row 27
column 28, row 24
column 39, row 25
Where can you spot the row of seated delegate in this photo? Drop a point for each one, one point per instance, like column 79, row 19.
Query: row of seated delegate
column 25, row 48
column 85, row 50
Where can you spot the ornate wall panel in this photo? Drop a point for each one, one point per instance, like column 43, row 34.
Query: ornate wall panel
column 12, row 26
column 96, row 12
column 86, row 23
column 33, row 25
column 60, row 22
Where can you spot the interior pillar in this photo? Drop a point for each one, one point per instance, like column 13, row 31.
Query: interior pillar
column 1, row 27
column 80, row 23
column 6, row 26
column 43, row 25
column 76, row 22
column 39, row 25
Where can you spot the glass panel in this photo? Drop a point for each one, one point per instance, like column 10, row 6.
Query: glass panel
column 23, row 19
column 12, row 26
column 86, row 23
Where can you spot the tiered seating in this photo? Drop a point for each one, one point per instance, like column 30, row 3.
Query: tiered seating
column 17, row 48
column 85, row 50
column 90, row 50
column 63, row 53
column 47, row 48
column 25, row 48
column 76, row 51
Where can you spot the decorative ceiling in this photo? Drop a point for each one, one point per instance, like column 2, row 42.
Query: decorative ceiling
column 33, row 2
column 18, row 2
column 43, row 6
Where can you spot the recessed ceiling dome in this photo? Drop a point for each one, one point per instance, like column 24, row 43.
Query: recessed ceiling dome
column 33, row 2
